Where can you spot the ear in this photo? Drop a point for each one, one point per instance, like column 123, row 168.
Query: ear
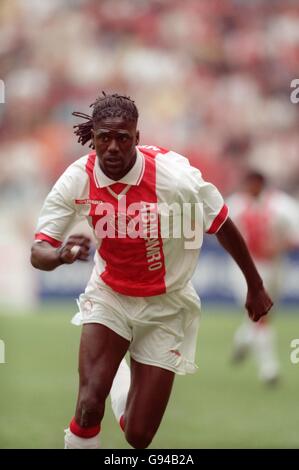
column 137, row 137
column 92, row 137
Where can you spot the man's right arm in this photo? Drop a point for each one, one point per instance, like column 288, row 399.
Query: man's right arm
column 46, row 257
column 57, row 216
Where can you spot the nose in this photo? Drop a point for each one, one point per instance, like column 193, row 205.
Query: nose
column 113, row 146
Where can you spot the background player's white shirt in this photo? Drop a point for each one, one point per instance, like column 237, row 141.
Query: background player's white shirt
column 270, row 226
column 159, row 176
column 269, row 223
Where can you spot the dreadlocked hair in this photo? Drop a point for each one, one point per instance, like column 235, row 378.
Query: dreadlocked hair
column 106, row 106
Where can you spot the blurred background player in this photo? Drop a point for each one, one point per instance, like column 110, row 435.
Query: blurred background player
column 269, row 221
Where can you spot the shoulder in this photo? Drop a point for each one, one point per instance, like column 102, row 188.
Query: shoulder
column 237, row 200
column 284, row 203
column 172, row 163
column 78, row 166
column 176, row 175
column 76, row 169
column 162, row 154
column 281, row 196
column 74, row 176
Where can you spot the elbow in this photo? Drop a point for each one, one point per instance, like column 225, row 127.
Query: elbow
column 33, row 258
column 42, row 258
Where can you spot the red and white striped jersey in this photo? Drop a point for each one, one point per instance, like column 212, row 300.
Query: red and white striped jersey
column 140, row 266
column 269, row 223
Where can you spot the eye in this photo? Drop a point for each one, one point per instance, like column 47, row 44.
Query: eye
column 104, row 138
column 124, row 138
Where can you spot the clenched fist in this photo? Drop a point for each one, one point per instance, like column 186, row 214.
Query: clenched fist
column 258, row 303
column 75, row 247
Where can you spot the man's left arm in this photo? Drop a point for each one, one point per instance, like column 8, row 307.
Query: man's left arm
column 258, row 302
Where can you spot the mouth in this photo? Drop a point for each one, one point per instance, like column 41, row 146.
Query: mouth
column 113, row 161
column 113, row 165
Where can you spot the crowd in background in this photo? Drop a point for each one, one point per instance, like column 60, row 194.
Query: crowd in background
column 211, row 79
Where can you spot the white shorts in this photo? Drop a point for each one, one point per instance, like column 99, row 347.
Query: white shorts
column 162, row 329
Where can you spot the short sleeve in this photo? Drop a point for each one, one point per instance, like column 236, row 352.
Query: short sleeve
column 58, row 212
column 215, row 211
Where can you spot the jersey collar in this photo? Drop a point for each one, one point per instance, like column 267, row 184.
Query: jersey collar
column 133, row 177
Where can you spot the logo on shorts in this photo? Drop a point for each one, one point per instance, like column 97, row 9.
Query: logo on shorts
column 176, row 352
column 87, row 306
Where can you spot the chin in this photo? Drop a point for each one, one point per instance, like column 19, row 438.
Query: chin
column 115, row 175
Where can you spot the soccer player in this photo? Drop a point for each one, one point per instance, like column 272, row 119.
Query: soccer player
column 139, row 298
column 269, row 221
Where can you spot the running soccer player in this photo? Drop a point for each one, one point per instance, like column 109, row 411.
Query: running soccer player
column 269, row 221
column 139, row 298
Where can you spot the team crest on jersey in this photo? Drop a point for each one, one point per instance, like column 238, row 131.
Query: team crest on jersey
column 122, row 223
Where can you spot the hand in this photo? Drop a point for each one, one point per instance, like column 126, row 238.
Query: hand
column 258, row 303
column 76, row 247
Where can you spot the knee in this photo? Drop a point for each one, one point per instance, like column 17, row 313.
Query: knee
column 88, row 410
column 90, row 407
column 139, row 438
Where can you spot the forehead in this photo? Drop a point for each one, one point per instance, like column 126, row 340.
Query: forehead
column 115, row 124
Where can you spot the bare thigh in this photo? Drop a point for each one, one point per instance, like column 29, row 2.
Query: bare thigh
column 101, row 351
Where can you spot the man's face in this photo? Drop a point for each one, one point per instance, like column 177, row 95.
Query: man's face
column 115, row 141
column 254, row 187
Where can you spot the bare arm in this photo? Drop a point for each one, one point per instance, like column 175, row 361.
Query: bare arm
column 258, row 302
column 46, row 258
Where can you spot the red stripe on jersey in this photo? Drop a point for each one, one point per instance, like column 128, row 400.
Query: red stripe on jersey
column 255, row 223
column 218, row 221
column 134, row 266
column 45, row 238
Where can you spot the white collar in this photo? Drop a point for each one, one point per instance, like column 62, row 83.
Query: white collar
column 133, row 177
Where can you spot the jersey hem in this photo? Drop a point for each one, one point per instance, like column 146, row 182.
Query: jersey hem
column 135, row 291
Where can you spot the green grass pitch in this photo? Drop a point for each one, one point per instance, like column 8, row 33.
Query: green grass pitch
column 221, row 406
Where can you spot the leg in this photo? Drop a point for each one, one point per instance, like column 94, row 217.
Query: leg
column 120, row 389
column 243, row 341
column 101, row 351
column 147, row 400
column 265, row 352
